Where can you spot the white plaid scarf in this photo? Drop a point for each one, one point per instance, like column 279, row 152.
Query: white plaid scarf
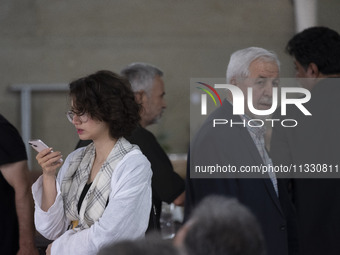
column 94, row 202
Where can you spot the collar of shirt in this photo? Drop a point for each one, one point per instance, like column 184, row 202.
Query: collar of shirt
column 257, row 134
column 257, row 131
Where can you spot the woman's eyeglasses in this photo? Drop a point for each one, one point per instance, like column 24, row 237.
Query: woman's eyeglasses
column 82, row 118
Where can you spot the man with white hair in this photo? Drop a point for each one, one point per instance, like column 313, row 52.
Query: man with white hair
column 243, row 145
column 220, row 226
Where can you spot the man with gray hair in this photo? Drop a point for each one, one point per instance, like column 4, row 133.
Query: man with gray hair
column 148, row 86
column 242, row 146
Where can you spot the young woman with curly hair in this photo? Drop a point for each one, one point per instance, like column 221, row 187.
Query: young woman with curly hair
column 102, row 192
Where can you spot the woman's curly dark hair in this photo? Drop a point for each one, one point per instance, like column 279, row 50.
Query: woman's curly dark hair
column 107, row 97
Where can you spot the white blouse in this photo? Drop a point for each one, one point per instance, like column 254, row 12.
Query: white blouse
column 125, row 217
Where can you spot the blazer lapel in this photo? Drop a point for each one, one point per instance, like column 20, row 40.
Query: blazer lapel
column 252, row 149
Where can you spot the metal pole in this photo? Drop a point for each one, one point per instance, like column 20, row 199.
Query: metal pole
column 305, row 14
column 26, row 120
column 25, row 94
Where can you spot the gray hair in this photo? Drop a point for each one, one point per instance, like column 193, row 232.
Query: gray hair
column 221, row 225
column 151, row 245
column 240, row 61
column 141, row 76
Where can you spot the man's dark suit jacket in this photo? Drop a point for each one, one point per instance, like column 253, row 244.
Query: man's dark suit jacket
column 225, row 145
column 314, row 141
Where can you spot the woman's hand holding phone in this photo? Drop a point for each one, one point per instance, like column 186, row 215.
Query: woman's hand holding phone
column 48, row 159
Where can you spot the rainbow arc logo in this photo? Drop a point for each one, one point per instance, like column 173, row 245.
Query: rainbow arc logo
column 204, row 97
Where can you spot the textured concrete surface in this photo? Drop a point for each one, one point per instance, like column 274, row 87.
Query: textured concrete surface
column 58, row 41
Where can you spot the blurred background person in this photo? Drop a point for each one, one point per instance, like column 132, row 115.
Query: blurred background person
column 219, row 226
column 315, row 140
column 17, row 226
column 102, row 193
column 151, row 245
column 244, row 145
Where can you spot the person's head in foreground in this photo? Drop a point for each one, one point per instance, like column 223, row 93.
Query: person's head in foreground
column 220, row 226
column 151, row 245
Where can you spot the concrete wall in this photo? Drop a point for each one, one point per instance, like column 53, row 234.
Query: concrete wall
column 58, row 41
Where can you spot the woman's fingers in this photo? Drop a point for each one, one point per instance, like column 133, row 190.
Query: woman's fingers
column 49, row 160
column 43, row 153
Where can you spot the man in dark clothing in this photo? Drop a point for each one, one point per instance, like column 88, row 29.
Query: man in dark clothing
column 242, row 146
column 16, row 203
column 148, row 86
column 314, row 142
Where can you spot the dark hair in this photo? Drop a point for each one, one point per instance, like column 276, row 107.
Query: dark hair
column 107, row 97
column 318, row 45
column 221, row 226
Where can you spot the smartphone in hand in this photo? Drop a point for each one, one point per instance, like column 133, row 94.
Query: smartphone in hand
column 39, row 145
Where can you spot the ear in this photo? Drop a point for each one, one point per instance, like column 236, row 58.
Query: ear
column 313, row 70
column 140, row 96
column 233, row 82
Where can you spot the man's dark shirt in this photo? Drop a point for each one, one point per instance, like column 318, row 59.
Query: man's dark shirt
column 12, row 149
column 315, row 140
column 167, row 185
